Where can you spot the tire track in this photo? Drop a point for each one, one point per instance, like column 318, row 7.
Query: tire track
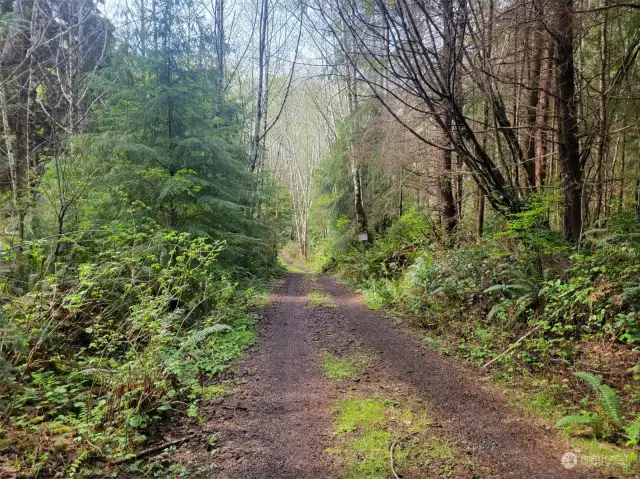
column 281, row 423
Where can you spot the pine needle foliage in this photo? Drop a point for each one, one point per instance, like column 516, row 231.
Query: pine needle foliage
column 176, row 156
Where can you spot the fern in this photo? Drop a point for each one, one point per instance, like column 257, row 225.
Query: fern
column 507, row 288
column 201, row 335
column 593, row 380
column 75, row 466
column 608, row 419
column 632, row 431
column 606, row 396
column 610, row 402
column 592, row 421
column 575, row 420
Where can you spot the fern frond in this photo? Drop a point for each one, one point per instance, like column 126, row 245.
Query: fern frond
column 75, row 466
column 507, row 288
column 201, row 335
column 89, row 371
column 523, row 302
column 575, row 420
column 593, row 380
column 606, row 396
column 610, row 402
column 594, row 231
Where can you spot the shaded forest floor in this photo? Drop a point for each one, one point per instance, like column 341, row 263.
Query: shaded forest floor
column 332, row 389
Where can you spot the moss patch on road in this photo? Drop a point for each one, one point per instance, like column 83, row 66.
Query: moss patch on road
column 320, row 300
column 346, row 367
column 371, row 430
column 291, row 268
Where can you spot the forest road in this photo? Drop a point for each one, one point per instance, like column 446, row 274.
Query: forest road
column 279, row 425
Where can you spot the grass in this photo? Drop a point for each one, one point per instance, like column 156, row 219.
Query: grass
column 365, row 428
column 346, row 367
column 290, row 267
column 320, row 300
column 372, row 299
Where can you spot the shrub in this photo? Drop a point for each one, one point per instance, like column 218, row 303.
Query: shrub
column 114, row 340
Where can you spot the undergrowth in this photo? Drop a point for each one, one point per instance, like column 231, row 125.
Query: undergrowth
column 577, row 306
column 96, row 352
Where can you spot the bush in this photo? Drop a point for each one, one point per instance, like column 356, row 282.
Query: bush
column 104, row 346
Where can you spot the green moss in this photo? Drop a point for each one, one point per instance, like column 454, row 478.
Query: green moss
column 353, row 414
column 366, row 427
column 320, row 300
column 343, row 367
column 373, row 450
column 290, row 267
column 214, row 392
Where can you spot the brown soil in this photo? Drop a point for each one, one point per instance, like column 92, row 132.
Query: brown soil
column 279, row 425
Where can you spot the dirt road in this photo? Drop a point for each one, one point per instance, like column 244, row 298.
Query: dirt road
column 281, row 424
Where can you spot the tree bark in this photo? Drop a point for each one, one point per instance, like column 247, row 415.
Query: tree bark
column 257, row 125
column 480, row 220
column 543, row 121
column 356, row 175
column 568, row 147
column 449, row 75
column 603, row 127
column 532, row 109
column 220, row 51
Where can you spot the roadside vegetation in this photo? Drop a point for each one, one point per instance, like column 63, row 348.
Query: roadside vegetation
column 135, row 242
column 519, row 303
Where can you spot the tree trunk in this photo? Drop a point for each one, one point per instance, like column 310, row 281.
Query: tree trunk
column 638, row 200
column 255, row 139
column 447, row 201
column 532, row 109
column 459, row 186
column 622, row 169
column 361, row 216
column 543, row 123
column 448, row 73
column 220, row 51
column 568, row 147
column 356, row 176
column 480, row 220
column 603, row 127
